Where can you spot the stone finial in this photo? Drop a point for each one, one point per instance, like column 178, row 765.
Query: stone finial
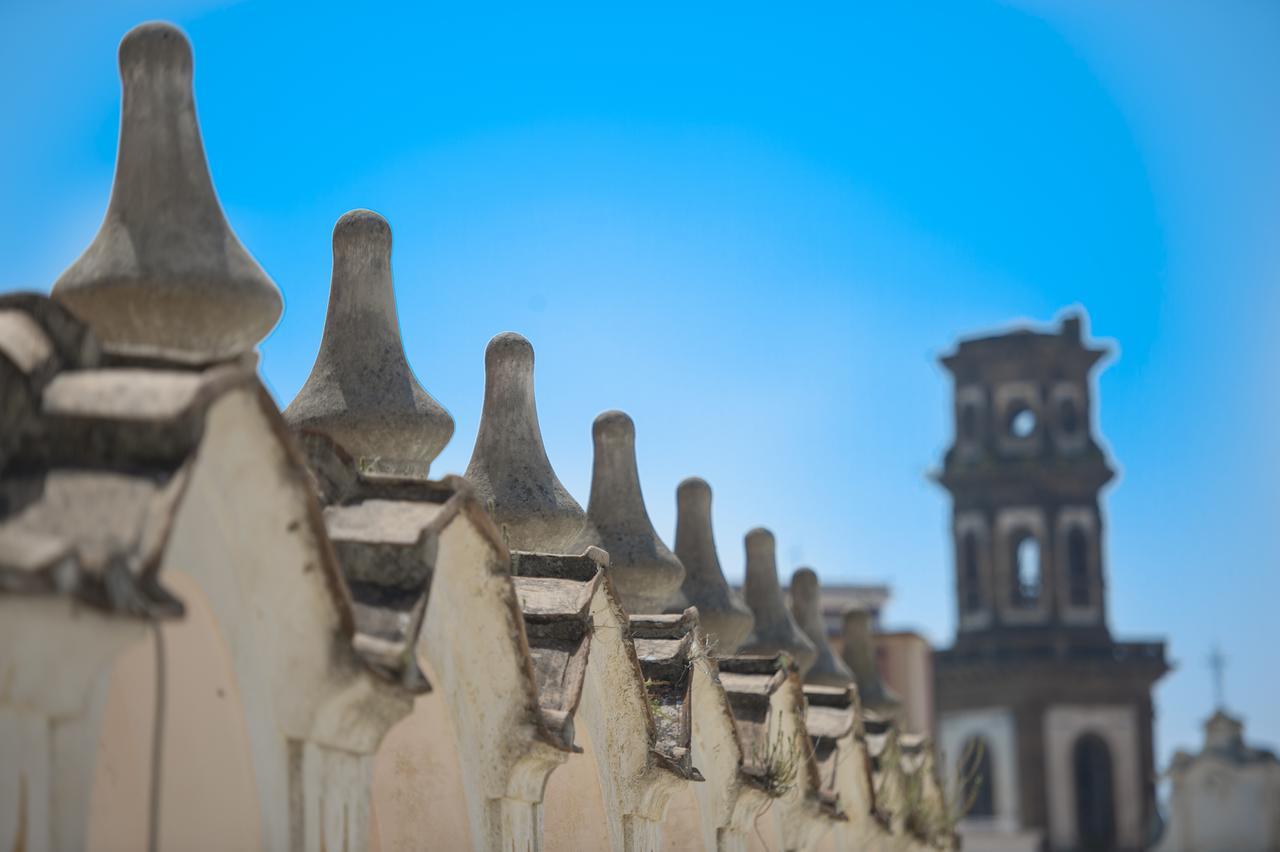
column 806, row 606
column 645, row 573
column 361, row 392
column 509, row 465
column 859, row 655
column 165, row 271
column 775, row 628
column 725, row 619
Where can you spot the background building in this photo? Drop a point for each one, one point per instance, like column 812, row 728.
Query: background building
column 1059, row 712
column 1225, row 797
column 903, row 657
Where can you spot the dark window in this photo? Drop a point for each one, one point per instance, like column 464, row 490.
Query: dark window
column 969, row 422
column 969, row 570
column 976, row 782
column 1095, row 804
column 1078, row 567
column 1025, row 559
column 1068, row 416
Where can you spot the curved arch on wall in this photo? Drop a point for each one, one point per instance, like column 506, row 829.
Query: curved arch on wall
column 1116, row 725
column 574, row 817
column 976, row 767
column 208, row 791
column 996, row 728
column 418, row 800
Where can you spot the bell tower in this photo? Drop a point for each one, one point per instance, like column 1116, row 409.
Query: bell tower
column 1035, row 691
column 1024, row 473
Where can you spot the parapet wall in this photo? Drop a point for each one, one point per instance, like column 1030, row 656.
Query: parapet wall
column 227, row 627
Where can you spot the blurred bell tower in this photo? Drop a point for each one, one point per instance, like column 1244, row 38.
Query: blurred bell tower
column 1053, row 715
column 1024, row 473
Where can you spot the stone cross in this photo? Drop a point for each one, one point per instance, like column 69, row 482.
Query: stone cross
column 1217, row 665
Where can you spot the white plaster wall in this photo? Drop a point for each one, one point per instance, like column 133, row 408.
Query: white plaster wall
column 853, row 782
column 995, row 725
column 765, row 833
column 208, row 799
column 472, row 642
column 614, row 714
column 1117, row 724
column 575, row 815
column 54, row 659
column 246, row 533
column 1216, row 805
column 803, row 822
column 418, row 799
column 720, row 813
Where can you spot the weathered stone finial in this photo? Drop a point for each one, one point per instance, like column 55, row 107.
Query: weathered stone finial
column 725, row 619
column 775, row 629
column 806, row 606
column 509, row 465
column 859, row 655
column 165, row 271
column 361, row 392
column 644, row 571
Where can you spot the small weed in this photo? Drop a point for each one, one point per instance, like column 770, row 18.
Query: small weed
column 782, row 758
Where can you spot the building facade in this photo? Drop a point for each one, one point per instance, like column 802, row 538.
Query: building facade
column 1225, row 797
column 1038, row 704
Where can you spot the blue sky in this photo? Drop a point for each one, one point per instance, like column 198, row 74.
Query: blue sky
column 755, row 228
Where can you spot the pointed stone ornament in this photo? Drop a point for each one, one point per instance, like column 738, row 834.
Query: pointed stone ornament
column 509, row 466
column 806, row 606
column 859, row 654
column 725, row 619
column 644, row 571
column 775, row 629
column 361, row 392
column 165, row 272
